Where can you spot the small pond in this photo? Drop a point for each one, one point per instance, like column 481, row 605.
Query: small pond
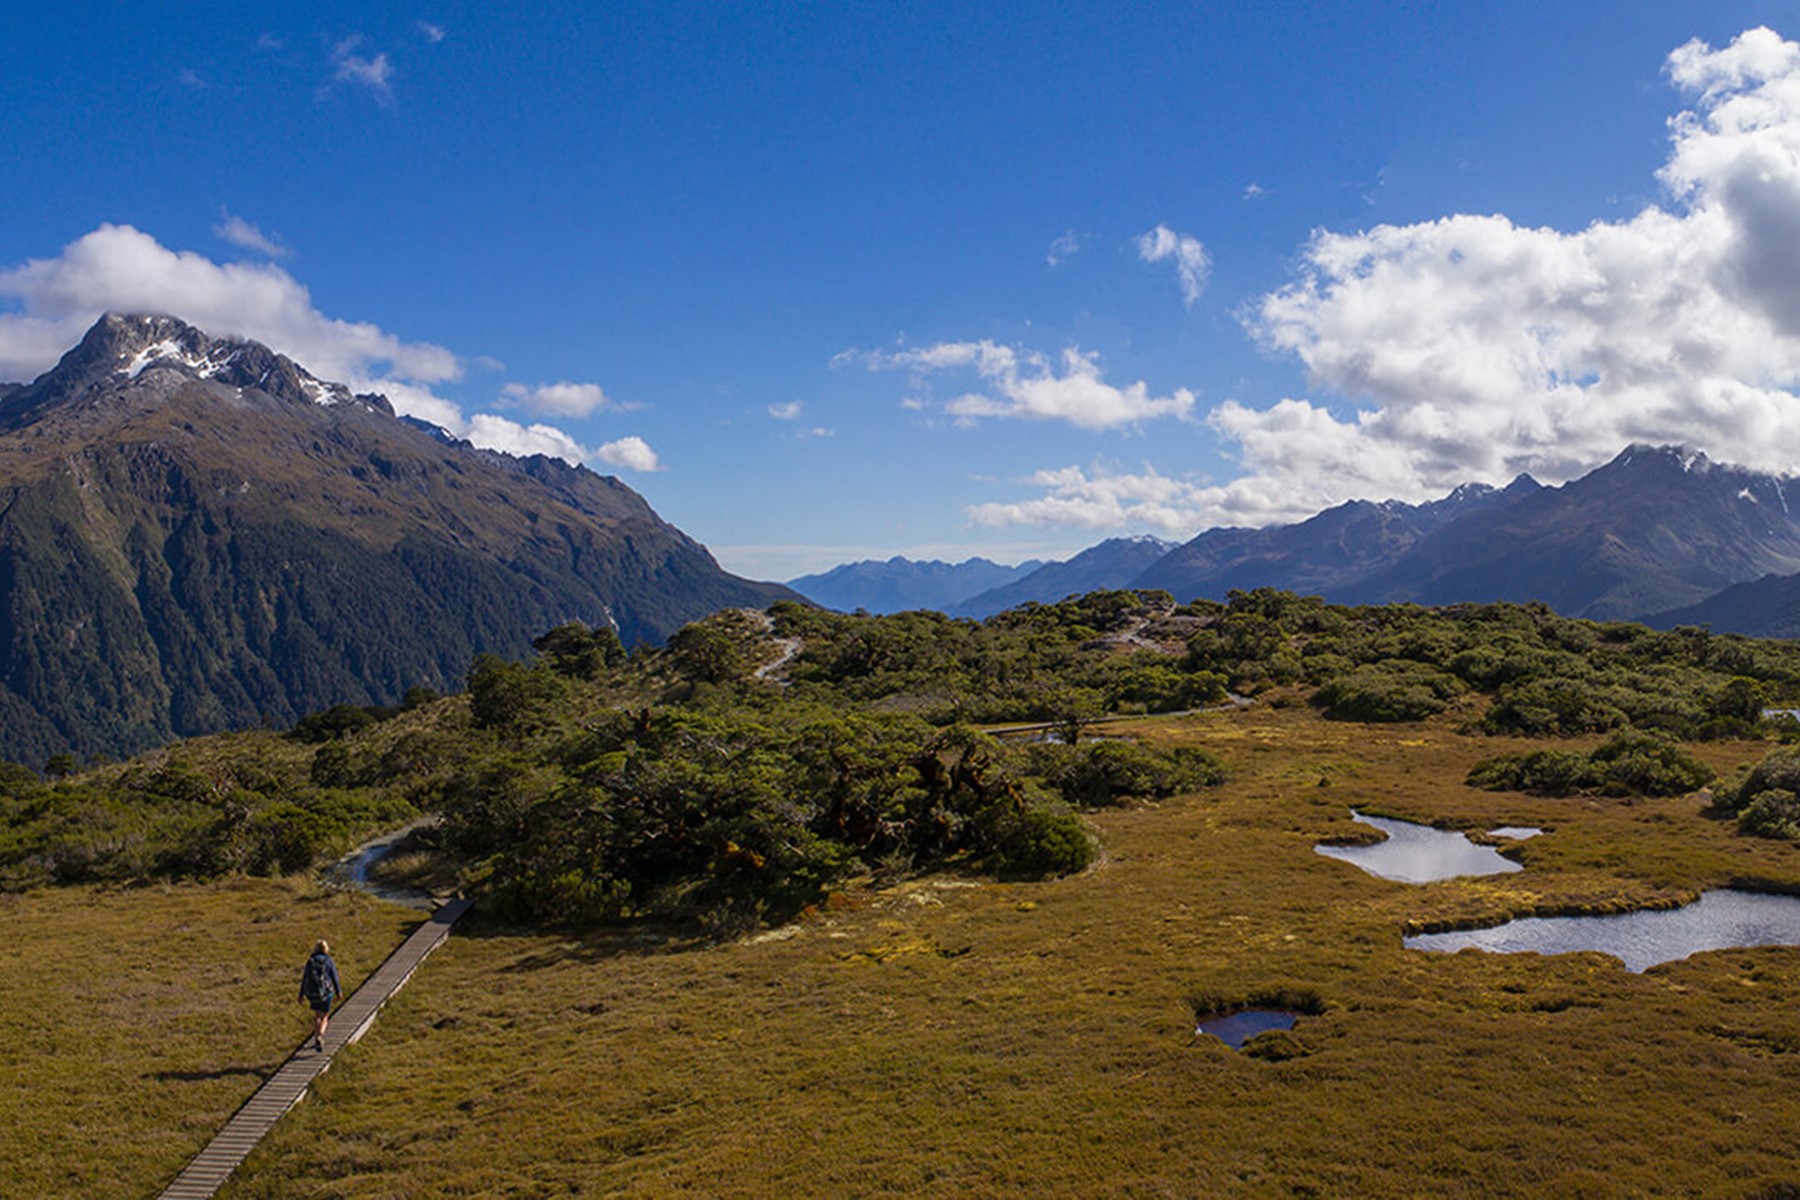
column 1517, row 833
column 1420, row 854
column 1240, row 1027
column 1719, row 920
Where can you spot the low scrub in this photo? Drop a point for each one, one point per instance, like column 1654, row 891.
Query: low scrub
column 1766, row 799
column 1627, row 764
column 1105, row 772
column 1389, row 691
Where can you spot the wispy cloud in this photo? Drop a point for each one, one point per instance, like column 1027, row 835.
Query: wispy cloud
column 431, row 33
column 1026, row 385
column 562, row 399
column 1065, row 247
column 191, row 80
column 239, row 232
column 1255, row 191
column 1192, row 266
column 376, row 74
column 786, row 412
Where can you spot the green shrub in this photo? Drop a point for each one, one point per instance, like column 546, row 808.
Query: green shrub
column 1552, row 707
column 1773, row 814
column 1388, row 691
column 507, row 695
column 335, row 722
column 1042, row 841
column 1629, row 763
column 1778, row 771
column 1105, row 772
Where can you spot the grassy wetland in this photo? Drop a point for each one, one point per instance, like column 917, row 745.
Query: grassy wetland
column 927, row 1016
column 959, row 1036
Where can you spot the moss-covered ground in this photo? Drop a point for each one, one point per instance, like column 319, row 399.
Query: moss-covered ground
column 960, row 1037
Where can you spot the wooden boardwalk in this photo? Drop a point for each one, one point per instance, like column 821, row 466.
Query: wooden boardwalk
column 287, row 1087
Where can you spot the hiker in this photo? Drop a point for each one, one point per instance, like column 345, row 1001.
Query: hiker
column 319, row 987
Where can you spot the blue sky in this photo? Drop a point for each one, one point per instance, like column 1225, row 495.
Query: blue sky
column 829, row 282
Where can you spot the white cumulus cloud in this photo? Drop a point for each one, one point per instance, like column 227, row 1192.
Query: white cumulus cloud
column 1027, row 385
column 632, row 453
column 563, row 399
column 1177, row 507
column 1471, row 348
column 1474, row 348
column 492, row 432
column 1192, row 266
column 120, row 269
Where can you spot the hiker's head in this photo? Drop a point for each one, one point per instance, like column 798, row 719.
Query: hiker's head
column 323, row 947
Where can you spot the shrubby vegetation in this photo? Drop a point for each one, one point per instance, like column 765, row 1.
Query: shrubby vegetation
column 1766, row 799
column 753, row 809
column 1106, row 772
column 175, row 819
column 1630, row 763
column 588, row 784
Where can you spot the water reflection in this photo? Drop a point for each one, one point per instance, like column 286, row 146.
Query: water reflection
column 1240, row 1027
column 1719, row 920
column 1420, row 854
column 1517, row 833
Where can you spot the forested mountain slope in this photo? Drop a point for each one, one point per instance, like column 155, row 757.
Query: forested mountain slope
column 197, row 534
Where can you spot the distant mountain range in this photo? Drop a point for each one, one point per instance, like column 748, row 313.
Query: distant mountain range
column 196, row 534
column 1096, row 567
column 902, row 584
column 1655, row 529
column 1659, row 534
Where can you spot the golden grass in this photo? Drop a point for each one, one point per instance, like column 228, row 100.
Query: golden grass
column 133, row 1023
column 960, row 1037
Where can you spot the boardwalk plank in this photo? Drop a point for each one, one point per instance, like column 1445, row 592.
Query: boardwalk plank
column 209, row 1170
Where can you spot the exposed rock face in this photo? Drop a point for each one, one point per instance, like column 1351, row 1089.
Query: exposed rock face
column 197, row 534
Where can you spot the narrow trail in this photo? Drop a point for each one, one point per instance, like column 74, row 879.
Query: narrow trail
column 789, row 648
column 207, row 1173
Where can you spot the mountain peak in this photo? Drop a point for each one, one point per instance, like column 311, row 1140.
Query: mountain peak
column 120, row 347
column 1688, row 458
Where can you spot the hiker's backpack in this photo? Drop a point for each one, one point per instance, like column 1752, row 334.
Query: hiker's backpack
column 315, row 983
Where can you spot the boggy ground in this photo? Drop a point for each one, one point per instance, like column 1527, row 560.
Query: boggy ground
column 134, row 1022
column 961, row 1037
